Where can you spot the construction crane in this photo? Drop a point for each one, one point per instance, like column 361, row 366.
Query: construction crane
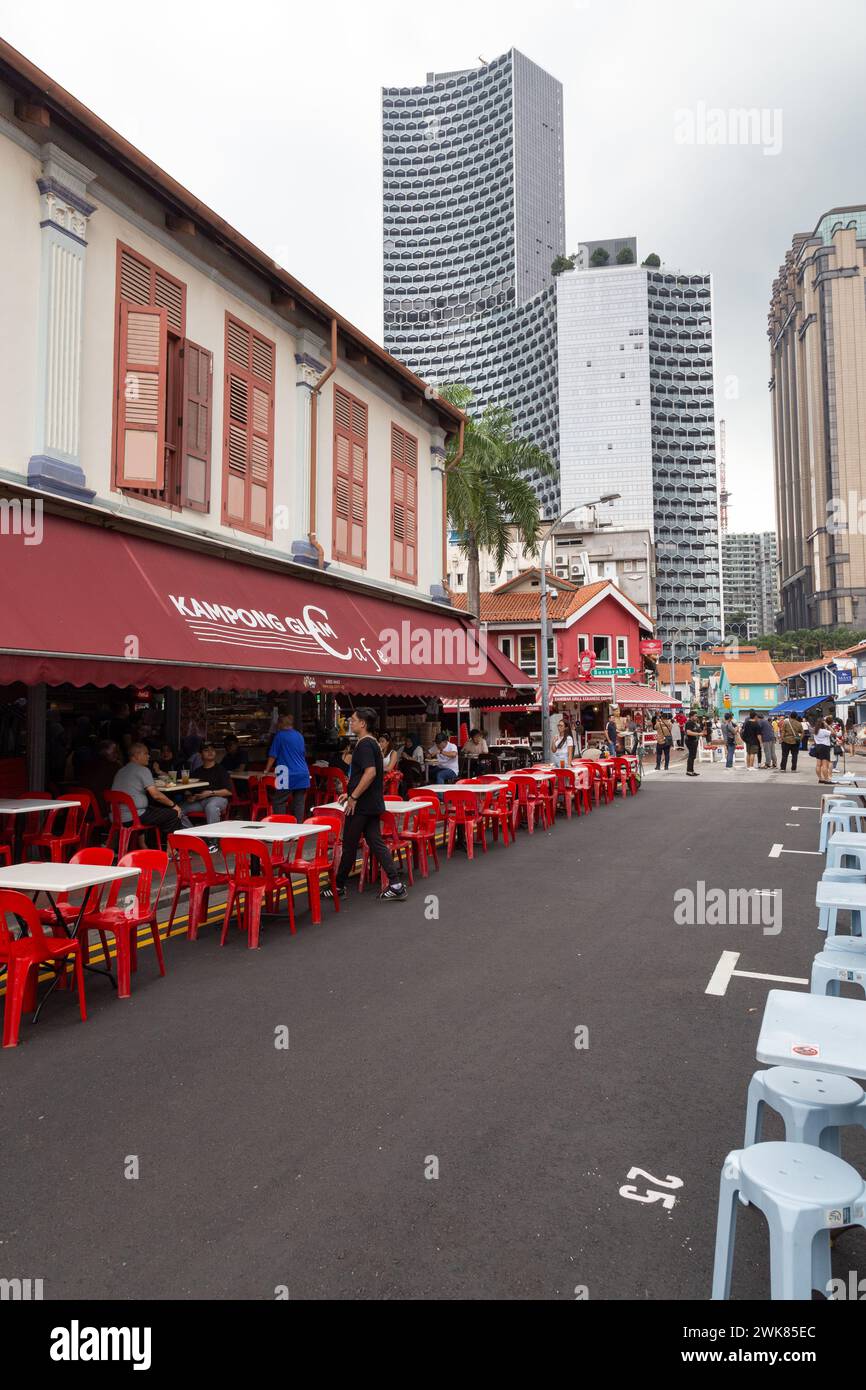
column 724, row 495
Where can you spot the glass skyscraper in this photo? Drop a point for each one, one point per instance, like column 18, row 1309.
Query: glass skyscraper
column 474, row 214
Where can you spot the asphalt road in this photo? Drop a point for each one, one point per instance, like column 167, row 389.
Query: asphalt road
column 416, row 1037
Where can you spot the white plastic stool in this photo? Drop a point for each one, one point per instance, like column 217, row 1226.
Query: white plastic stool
column 841, row 815
column 812, row 1104
column 831, row 894
column 740, row 756
column 804, row 1192
column 831, row 968
column 842, row 846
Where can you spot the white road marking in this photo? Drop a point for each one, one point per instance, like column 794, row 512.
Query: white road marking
column 782, row 979
column 726, row 970
column 805, row 808
column 792, row 825
column 780, row 849
column 721, row 976
column 775, row 852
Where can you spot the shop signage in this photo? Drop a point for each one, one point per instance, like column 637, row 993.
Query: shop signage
column 844, row 678
column 650, row 646
column 586, row 663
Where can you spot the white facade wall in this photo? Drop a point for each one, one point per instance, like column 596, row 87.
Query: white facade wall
column 604, row 392
column 24, row 373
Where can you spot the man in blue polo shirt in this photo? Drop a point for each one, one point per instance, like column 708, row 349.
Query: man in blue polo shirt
column 287, row 758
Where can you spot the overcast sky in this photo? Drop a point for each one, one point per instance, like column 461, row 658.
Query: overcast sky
column 270, row 114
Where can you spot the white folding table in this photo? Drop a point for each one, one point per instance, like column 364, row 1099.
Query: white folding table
column 822, row 1032
column 20, row 806
column 51, row 879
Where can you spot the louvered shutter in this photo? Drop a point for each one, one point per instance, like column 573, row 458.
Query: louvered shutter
column 350, row 478
column 249, row 430
column 141, row 397
column 196, row 436
column 404, row 504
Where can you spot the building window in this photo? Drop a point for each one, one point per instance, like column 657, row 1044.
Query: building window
column 601, row 648
column 350, row 478
column 744, row 694
column 163, row 389
column 459, row 578
column 621, row 651
column 248, row 429
column 404, row 505
column 528, row 661
column 582, row 643
column 491, row 576
column 505, row 646
column 551, row 656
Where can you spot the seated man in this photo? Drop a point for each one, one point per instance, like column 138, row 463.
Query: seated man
column 213, row 800
column 443, row 759
column 153, row 806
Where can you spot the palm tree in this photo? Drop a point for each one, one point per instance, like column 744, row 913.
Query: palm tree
column 488, row 488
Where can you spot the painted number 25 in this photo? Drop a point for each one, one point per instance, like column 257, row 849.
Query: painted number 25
column 667, row 1199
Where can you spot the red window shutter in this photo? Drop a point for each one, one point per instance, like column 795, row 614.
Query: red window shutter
column 141, row 387
column 248, row 440
column 350, row 478
column 404, row 505
column 197, row 410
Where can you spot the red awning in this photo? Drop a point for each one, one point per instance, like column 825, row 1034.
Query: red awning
column 92, row 606
column 628, row 693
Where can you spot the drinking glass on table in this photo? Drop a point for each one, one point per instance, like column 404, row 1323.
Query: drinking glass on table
column 184, row 774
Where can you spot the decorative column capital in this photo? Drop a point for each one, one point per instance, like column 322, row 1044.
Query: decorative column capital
column 309, row 369
column 62, row 187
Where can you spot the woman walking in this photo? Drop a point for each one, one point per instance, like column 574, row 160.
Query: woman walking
column 822, row 750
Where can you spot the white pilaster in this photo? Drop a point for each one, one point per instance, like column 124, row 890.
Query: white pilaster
column 438, row 520
column 63, row 216
column 309, row 364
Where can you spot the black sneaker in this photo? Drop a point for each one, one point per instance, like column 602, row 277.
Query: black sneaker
column 394, row 893
column 342, row 892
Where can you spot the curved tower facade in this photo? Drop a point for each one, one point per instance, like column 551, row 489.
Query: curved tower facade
column 474, row 214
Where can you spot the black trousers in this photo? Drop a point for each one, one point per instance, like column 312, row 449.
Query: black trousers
column 355, row 826
column 692, row 746
column 794, row 750
column 663, row 750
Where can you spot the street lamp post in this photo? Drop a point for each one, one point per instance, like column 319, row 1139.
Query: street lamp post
column 545, row 632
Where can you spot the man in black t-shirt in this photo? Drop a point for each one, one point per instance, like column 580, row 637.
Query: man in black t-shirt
column 364, row 803
column 694, row 727
column 213, row 799
column 751, row 732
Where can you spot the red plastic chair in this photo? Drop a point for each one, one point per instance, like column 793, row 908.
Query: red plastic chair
column 90, row 818
column 21, row 955
column 240, row 805
column 422, row 836
column 280, row 851
column 625, row 776
column 399, row 851
column 97, row 855
column 582, row 789
column 249, row 887
column 332, row 786
column 112, row 919
column 312, row 858
column 497, row 812
column 122, row 831
column 529, row 802
column 391, row 784
column 566, row 789
column 432, row 798
column 462, row 809
column 195, row 870
column 259, row 799
column 56, row 841
column 5, row 855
